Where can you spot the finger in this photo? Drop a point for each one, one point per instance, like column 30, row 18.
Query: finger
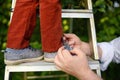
column 76, row 51
column 57, row 62
column 64, row 38
column 68, row 35
column 60, row 49
column 71, row 42
column 59, row 55
column 66, row 54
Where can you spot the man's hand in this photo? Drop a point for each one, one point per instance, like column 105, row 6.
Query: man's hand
column 72, row 64
column 76, row 65
column 75, row 42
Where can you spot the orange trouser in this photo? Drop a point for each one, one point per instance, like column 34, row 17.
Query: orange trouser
column 24, row 21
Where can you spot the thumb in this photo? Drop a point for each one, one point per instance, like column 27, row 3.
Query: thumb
column 68, row 35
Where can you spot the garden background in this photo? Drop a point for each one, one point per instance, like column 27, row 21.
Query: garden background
column 107, row 22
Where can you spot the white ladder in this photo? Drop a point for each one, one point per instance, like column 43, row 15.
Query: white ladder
column 42, row 66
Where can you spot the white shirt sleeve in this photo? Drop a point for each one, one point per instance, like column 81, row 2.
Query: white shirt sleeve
column 110, row 52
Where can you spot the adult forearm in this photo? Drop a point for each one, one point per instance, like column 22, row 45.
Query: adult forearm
column 90, row 75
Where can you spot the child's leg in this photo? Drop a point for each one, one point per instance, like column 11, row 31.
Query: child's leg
column 19, row 33
column 22, row 24
column 51, row 28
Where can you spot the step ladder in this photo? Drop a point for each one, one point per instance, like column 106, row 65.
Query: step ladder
column 42, row 66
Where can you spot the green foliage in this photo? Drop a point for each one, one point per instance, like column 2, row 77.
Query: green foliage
column 107, row 21
column 108, row 24
column 4, row 21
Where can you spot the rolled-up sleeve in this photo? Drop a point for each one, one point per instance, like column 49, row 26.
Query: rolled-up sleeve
column 116, row 45
column 110, row 52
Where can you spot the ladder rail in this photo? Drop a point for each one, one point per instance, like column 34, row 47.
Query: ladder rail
column 89, row 3
column 12, row 9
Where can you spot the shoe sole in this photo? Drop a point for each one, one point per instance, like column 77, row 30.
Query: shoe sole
column 49, row 59
column 8, row 62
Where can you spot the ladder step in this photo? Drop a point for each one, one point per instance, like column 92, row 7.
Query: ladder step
column 76, row 11
column 42, row 66
column 77, row 15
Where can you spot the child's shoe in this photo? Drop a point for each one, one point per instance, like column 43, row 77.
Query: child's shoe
column 49, row 57
column 13, row 56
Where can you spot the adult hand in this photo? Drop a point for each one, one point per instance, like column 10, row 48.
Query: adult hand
column 76, row 65
column 75, row 41
column 72, row 64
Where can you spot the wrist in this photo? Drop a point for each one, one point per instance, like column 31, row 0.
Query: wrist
column 83, row 75
column 90, row 75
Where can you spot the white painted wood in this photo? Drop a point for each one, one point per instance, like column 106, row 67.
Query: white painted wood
column 39, row 66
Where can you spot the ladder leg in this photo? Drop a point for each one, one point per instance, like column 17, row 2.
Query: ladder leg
column 89, row 2
column 98, row 72
column 25, row 75
column 92, row 36
column 67, row 77
column 7, row 73
column 93, row 41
